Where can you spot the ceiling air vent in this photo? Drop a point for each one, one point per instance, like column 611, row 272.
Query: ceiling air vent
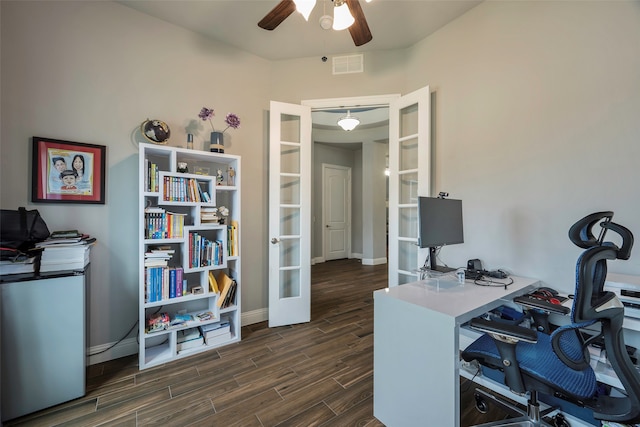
column 348, row 64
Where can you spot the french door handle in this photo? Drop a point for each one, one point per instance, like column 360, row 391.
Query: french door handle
column 275, row 240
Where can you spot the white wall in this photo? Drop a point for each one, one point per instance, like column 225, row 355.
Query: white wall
column 92, row 72
column 536, row 125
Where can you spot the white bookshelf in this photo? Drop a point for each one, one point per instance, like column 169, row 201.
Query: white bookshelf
column 175, row 192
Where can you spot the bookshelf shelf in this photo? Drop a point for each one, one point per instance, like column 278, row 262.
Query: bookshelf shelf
column 188, row 249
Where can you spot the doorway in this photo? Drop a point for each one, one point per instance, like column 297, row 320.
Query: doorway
column 359, row 150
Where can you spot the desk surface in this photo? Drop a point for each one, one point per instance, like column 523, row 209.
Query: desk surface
column 460, row 301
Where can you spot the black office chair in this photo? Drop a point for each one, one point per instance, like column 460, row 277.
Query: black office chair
column 558, row 364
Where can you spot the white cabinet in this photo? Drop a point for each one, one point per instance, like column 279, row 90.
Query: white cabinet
column 177, row 219
column 44, row 341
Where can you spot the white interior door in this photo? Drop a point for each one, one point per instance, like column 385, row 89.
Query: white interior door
column 336, row 212
column 289, row 214
column 409, row 177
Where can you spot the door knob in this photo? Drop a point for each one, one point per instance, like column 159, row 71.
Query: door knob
column 275, row 240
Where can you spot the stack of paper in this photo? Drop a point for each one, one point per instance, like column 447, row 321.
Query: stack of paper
column 65, row 250
column 18, row 266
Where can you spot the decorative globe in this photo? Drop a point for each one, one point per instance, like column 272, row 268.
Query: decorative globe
column 156, row 131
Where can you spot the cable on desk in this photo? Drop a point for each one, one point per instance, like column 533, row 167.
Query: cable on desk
column 493, row 283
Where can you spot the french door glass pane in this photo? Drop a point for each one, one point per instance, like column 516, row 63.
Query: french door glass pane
column 289, row 283
column 289, row 221
column 409, row 154
column 409, row 120
column 290, row 190
column 289, row 158
column 289, row 128
column 408, row 222
column 408, row 188
column 407, row 256
column 289, row 253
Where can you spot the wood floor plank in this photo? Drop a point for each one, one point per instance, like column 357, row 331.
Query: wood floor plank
column 297, row 402
column 316, row 415
column 345, row 399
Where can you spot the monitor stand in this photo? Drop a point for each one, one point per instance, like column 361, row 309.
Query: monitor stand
column 433, row 264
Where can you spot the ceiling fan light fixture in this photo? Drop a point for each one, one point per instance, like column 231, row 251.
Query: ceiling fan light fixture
column 305, row 7
column 348, row 122
column 342, row 18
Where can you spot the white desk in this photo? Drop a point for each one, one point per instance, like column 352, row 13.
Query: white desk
column 416, row 347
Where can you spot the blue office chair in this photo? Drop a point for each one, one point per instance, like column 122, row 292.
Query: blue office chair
column 557, row 364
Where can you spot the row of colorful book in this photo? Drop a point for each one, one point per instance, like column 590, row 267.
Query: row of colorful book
column 162, row 283
column 204, row 252
column 160, row 224
column 179, row 189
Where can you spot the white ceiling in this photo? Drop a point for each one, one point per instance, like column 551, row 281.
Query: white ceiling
column 395, row 24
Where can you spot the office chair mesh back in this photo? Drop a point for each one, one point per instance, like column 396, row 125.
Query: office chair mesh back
column 560, row 361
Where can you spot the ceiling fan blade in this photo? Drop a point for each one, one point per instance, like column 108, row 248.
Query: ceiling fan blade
column 277, row 15
column 360, row 32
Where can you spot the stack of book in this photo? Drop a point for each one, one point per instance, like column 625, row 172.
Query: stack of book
column 216, row 333
column 18, row 265
column 158, row 257
column 209, row 215
column 189, row 338
column 65, row 250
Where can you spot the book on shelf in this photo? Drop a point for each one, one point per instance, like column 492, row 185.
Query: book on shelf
column 157, row 322
column 189, row 338
column 217, row 339
column 213, row 284
column 180, row 319
column 232, row 238
column 215, row 329
column 227, row 286
column 163, row 283
column 162, row 224
column 203, row 316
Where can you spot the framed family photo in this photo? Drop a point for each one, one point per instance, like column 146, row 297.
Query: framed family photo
column 67, row 172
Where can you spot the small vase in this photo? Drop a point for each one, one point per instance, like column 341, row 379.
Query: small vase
column 217, row 142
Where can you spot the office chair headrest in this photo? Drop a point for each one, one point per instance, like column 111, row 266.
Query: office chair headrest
column 581, row 233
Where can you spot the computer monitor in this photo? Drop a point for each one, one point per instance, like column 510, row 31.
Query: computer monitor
column 439, row 224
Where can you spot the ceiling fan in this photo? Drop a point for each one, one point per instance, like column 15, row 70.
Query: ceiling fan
column 359, row 30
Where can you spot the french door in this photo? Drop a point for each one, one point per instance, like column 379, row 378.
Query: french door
column 289, row 214
column 409, row 177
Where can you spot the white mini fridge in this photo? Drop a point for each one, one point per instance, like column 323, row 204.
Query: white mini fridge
column 43, row 340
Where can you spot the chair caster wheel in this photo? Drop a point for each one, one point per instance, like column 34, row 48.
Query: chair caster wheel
column 481, row 404
column 560, row 421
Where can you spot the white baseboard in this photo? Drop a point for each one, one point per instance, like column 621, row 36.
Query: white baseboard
column 374, row 261
column 126, row 347
column 317, row 260
column 356, row 255
column 255, row 316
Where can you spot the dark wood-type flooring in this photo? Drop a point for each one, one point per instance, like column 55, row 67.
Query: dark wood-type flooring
column 314, row 374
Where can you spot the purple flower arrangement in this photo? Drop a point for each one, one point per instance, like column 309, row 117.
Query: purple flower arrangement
column 232, row 120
